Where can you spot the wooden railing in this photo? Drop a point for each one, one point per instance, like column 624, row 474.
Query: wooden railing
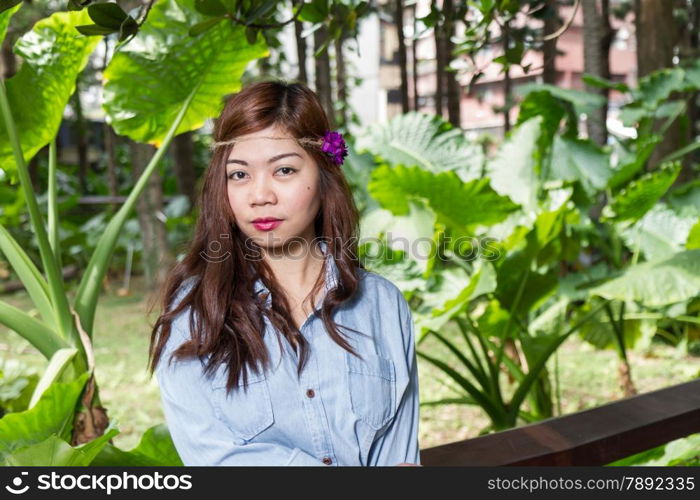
column 592, row 437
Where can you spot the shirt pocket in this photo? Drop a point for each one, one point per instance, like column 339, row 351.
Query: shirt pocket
column 246, row 410
column 372, row 387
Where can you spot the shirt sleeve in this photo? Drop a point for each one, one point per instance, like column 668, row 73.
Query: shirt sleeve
column 399, row 443
column 200, row 438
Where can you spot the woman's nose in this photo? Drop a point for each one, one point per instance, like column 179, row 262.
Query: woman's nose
column 262, row 191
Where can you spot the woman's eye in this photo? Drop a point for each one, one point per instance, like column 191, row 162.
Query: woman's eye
column 232, row 175
column 288, row 169
column 285, row 171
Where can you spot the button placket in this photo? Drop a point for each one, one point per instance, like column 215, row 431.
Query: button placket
column 310, row 409
column 325, row 448
column 313, row 405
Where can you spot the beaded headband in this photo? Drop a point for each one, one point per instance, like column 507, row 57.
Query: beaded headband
column 332, row 143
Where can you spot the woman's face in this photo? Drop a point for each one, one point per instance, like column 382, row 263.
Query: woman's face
column 272, row 178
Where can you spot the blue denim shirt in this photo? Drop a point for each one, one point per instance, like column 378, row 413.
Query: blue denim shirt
column 342, row 410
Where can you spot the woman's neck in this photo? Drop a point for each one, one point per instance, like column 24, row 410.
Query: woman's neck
column 297, row 270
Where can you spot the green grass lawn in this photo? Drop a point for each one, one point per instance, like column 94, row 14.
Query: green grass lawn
column 587, row 377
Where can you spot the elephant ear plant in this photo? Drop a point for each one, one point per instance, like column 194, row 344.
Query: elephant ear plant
column 66, row 423
column 546, row 202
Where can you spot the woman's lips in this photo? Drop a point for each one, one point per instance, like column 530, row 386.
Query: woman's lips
column 267, row 226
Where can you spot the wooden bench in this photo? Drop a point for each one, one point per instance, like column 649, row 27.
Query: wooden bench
column 592, row 437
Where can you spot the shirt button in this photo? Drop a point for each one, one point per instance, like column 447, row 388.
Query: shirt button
column 310, row 393
column 327, row 460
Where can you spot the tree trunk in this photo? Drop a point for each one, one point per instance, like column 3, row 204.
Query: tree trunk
column 341, row 81
column 398, row 19
column 323, row 74
column 657, row 35
column 507, row 83
column 414, row 58
column 688, row 52
column 439, row 65
column 549, row 48
column 693, row 42
column 302, row 76
column 156, row 257
column 9, row 61
column 183, row 160
column 597, row 37
column 452, row 85
column 625, row 377
column 91, row 420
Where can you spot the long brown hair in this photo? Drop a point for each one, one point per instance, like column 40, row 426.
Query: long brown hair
column 228, row 319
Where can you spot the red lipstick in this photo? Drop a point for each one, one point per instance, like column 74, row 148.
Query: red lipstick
column 266, row 223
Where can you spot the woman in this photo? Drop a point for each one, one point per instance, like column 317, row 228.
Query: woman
column 249, row 354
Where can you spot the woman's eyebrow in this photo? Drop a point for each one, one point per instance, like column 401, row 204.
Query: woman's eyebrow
column 271, row 160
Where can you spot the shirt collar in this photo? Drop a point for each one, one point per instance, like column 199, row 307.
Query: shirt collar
column 330, row 267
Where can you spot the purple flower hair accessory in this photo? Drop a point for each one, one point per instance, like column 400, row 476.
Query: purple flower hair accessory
column 334, row 146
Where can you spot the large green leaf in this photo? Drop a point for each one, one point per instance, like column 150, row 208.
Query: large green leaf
column 641, row 195
column 580, row 160
column 536, row 289
column 514, row 171
column 412, row 233
column 147, row 81
column 632, row 161
column 599, row 332
column 53, row 54
column 583, row 102
column 657, row 283
column 156, row 449
column 678, row 451
column 357, row 169
column 454, row 289
column 552, row 318
column 520, row 288
column 658, row 86
column 427, row 141
column 55, row 452
column 53, row 414
column 483, row 281
column 660, row 233
column 693, row 237
column 379, row 256
column 685, row 199
column 457, row 204
column 492, row 323
column 57, row 366
column 17, row 381
column 552, row 110
column 572, row 286
column 5, row 16
column 637, row 114
column 654, row 97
